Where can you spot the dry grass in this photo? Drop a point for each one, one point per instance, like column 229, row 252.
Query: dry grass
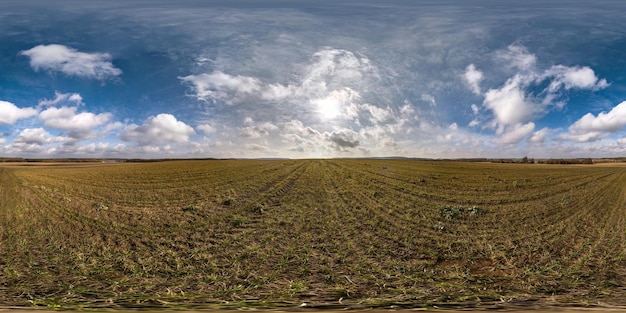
column 274, row 233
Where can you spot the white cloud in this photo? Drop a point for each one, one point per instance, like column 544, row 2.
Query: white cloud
column 377, row 115
column 62, row 97
column 207, row 128
column 298, row 128
column 621, row 141
column 220, row 86
column 10, row 113
column 530, row 94
column 279, row 92
column 407, row 111
column 517, row 56
column 256, row 147
column 539, row 136
column 583, row 137
column 59, row 58
column 473, row 77
column 509, row 103
column 336, row 103
column 66, row 118
column 343, row 139
column 611, row 122
column 35, row 140
column 111, row 127
column 328, row 83
column 158, row 129
column 475, row 109
column 259, row 130
column 429, row 98
column 516, row 133
column 574, row 77
column 38, row 136
column 337, row 67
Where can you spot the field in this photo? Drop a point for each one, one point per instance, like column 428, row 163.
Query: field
column 328, row 233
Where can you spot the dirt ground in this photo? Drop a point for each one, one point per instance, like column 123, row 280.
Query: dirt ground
column 525, row 310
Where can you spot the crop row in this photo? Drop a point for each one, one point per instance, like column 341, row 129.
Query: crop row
column 367, row 231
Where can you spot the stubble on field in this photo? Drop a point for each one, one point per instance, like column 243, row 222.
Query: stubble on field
column 319, row 233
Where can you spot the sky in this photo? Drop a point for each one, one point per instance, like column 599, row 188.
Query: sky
column 312, row 79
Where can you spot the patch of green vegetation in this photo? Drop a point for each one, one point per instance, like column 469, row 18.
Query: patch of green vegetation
column 190, row 208
column 99, row 206
column 238, row 220
column 457, row 212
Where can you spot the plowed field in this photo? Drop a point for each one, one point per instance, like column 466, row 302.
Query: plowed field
column 359, row 233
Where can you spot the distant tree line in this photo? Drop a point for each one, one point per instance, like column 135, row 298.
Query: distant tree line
column 526, row 160
column 567, row 161
column 12, row 160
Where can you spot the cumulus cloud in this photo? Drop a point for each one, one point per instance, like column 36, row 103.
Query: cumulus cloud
column 10, row 113
column 78, row 124
column 162, row 128
column 592, row 128
column 60, row 58
column 531, row 94
column 36, row 136
column 344, row 139
column 574, row 77
column 257, row 130
column 35, row 140
column 473, row 77
column 207, row 128
column 297, row 128
column 516, row 133
column 539, row 136
column 509, row 103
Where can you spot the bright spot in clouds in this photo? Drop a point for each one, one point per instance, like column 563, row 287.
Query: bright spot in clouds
column 328, row 108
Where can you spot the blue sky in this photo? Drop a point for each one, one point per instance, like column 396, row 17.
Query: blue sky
column 302, row 79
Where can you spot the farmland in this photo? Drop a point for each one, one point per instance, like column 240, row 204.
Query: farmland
column 368, row 233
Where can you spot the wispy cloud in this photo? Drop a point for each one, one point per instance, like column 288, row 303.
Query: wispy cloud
column 218, row 86
column 518, row 57
column 61, row 98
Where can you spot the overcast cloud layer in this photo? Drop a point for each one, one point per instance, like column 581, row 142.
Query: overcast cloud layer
column 302, row 79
